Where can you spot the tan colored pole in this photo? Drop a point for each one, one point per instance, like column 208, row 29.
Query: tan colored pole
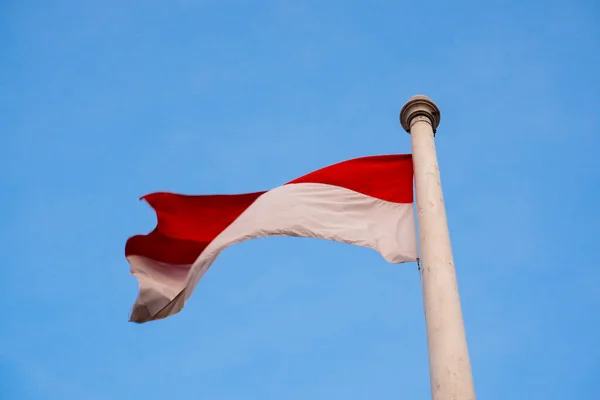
column 449, row 365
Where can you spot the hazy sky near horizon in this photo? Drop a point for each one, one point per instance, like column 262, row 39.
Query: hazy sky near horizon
column 102, row 102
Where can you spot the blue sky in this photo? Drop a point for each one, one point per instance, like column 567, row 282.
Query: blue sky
column 102, row 102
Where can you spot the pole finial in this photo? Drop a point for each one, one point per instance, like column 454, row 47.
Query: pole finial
column 419, row 105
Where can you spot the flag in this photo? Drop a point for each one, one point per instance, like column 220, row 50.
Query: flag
column 364, row 201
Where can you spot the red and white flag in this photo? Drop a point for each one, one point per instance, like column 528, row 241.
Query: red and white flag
column 365, row 201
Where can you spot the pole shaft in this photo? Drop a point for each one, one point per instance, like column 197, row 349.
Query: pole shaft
column 449, row 365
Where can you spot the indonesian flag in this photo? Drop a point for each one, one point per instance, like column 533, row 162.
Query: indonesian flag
column 365, row 201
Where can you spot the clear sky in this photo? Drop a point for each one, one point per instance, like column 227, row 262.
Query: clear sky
column 102, row 102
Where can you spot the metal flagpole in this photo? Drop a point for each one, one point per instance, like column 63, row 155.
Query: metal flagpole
column 449, row 365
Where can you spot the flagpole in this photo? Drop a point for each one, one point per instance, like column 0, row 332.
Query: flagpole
column 449, row 365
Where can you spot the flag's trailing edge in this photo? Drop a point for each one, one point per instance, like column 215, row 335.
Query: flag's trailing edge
column 365, row 201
